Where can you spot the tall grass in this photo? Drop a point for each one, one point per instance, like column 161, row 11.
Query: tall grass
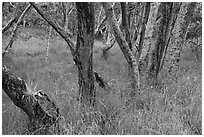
column 175, row 108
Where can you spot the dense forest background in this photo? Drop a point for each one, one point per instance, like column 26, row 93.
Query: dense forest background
column 128, row 68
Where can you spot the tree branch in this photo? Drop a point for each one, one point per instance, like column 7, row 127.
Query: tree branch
column 16, row 27
column 125, row 24
column 58, row 29
column 14, row 19
column 144, row 23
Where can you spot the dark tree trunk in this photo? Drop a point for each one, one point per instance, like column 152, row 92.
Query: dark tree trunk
column 41, row 111
column 84, row 51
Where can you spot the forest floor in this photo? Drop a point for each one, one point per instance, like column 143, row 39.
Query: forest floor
column 175, row 108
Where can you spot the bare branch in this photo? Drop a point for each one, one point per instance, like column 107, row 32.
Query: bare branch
column 15, row 17
column 125, row 24
column 122, row 43
column 16, row 27
column 58, row 29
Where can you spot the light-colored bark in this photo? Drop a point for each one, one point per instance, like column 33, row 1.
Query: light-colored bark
column 48, row 44
column 166, row 17
column 128, row 54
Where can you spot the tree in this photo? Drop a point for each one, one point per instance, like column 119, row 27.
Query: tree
column 83, row 52
column 165, row 20
column 41, row 111
column 179, row 36
column 125, row 39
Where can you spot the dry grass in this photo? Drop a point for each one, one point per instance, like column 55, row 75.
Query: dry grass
column 175, row 108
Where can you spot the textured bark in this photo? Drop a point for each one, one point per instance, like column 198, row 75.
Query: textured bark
column 159, row 38
column 125, row 24
column 123, row 44
column 84, row 51
column 41, row 111
column 145, row 17
column 176, row 9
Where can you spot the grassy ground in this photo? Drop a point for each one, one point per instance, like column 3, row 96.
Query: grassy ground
column 176, row 108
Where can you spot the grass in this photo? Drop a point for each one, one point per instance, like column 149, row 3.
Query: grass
column 175, row 108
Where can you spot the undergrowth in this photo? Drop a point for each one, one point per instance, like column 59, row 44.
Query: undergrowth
column 175, row 108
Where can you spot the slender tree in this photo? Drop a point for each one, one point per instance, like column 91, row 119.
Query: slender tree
column 160, row 38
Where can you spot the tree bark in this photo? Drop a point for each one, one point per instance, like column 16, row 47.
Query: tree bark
column 127, row 52
column 125, row 24
column 176, row 9
column 145, row 17
column 48, row 43
column 84, row 51
column 41, row 111
column 159, row 38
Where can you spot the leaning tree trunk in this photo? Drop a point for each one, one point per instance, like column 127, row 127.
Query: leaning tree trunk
column 15, row 17
column 124, row 46
column 13, row 35
column 84, row 51
column 160, row 40
column 41, row 111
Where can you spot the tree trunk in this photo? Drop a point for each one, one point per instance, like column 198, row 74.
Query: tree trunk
column 41, row 111
column 121, row 40
column 48, row 43
column 84, row 51
column 145, row 17
column 159, row 38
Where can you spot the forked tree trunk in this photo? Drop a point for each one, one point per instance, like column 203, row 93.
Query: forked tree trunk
column 41, row 111
column 160, row 39
column 124, row 46
column 84, row 51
